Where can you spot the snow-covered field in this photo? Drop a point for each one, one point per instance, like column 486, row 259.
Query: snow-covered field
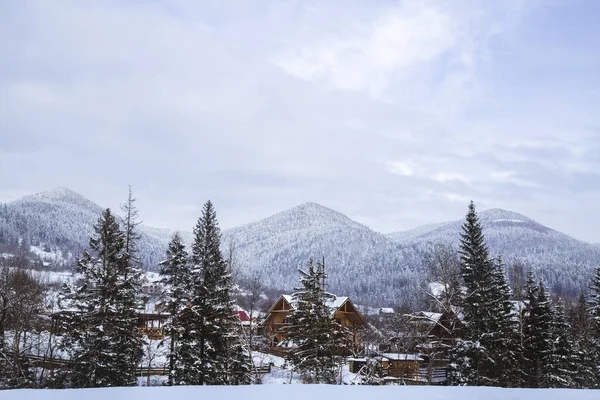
column 304, row 392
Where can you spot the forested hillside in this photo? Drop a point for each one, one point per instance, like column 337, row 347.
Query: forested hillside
column 564, row 263
column 360, row 262
column 370, row 267
column 58, row 224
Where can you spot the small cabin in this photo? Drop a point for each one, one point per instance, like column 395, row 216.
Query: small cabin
column 399, row 365
column 151, row 325
column 152, row 289
column 356, row 364
column 342, row 310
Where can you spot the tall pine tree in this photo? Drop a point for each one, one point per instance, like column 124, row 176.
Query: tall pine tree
column 563, row 362
column 502, row 341
column 211, row 348
column 101, row 333
column 580, row 319
column 130, row 224
column 488, row 353
column 595, row 328
column 537, row 335
column 316, row 337
column 177, row 280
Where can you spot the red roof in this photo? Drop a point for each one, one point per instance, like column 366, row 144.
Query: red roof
column 242, row 315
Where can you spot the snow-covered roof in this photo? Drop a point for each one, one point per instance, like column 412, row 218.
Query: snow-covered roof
column 386, row 310
column 241, row 313
column 436, row 288
column 401, row 356
column 432, row 316
column 334, row 303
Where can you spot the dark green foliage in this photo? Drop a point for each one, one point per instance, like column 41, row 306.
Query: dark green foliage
column 595, row 306
column 585, row 364
column 463, row 361
column 537, row 335
column 562, row 361
column 502, row 341
column 595, row 327
column 476, row 271
column 177, row 280
column 210, row 351
column 100, row 332
column 488, row 355
column 313, row 332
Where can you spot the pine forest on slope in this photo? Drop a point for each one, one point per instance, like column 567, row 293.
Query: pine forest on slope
column 370, row 267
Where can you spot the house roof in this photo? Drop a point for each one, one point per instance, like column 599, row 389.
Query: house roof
column 241, row 313
column 402, row 357
column 334, row 304
column 432, row 316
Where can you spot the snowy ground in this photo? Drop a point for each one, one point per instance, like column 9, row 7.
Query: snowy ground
column 281, row 372
column 304, row 392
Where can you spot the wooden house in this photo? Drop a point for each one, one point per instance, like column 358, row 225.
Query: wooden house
column 401, row 365
column 149, row 324
column 443, row 328
column 342, row 310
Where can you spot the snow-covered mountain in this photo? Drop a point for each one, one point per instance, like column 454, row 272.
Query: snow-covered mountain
column 360, row 262
column 564, row 263
column 58, row 224
column 372, row 268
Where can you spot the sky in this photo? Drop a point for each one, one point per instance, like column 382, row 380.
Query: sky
column 395, row 113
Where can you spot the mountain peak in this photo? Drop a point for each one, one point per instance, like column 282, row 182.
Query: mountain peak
column 496, row 215
column 314, row 212
column 312, row 206
column 58, row 195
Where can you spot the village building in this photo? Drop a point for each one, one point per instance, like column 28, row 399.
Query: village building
column 152, row 289
column 400, row 365
column 342, row 310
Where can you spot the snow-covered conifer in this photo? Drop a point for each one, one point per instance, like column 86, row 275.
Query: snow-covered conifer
column 130, row 224
column 595, row 327
column 487, row 355
column 562, row 361
column 177, row 280
column 537, row 335
column 100, row 327
column 316, row 337
column 211, row 351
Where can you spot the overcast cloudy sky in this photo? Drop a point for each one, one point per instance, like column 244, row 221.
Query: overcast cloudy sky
column 396, row 113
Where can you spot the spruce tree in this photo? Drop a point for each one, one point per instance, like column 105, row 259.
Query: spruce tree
column 595, row 327
column 537, row 336
column 130, row 224
column 502, row 341
column 177, row 280
column 211, row 348
column 316, row 337
column 562, row 363
column 100, row 334
column 488, row 353
column 583, row 346
column 580, row 318
column 595, row 305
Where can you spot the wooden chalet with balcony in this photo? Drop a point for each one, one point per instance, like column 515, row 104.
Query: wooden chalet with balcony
column 342, row 310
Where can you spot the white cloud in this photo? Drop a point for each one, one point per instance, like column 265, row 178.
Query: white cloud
column 268, row 104
column 401, row 168
column 450, row 177
column 512, row 178
column 399, row 44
